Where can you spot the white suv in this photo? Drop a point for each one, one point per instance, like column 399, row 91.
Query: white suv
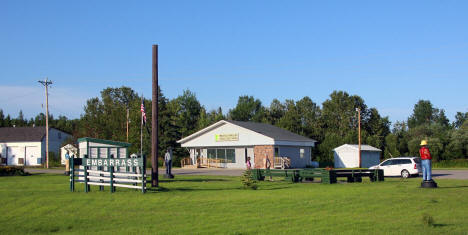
column 400, row 166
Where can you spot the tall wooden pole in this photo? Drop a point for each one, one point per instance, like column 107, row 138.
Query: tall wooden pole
column 359, row 134
column 141, row 128
column 46, row 83
column 127, row 124
column 154, row 121
column 47, row 124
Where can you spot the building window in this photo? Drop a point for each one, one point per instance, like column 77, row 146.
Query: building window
column 301, row 152
column 230, row 155
column 225, row 155
column 221, row 154
column 277, row 152
column 212, row 153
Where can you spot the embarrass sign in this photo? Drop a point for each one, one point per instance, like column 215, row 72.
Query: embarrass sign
column 121, row 162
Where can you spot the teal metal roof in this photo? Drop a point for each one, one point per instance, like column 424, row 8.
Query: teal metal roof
column 101, row 141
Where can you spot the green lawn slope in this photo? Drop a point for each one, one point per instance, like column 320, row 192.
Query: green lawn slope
column 218, row 205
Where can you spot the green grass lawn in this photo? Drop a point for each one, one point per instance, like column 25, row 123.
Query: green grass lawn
column 214, row 204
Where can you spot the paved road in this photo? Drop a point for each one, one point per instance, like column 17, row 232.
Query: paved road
column 437, row 174
column 450, row 174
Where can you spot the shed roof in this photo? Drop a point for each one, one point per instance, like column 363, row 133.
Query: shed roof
column 101, row 141
column 276, row 133
column 16, row 134
column 69, row 146
column 364, row 147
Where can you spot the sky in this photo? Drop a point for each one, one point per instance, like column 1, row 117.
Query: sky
column 391, row 53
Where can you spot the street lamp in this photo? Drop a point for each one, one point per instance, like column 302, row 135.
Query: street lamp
column 359, row 133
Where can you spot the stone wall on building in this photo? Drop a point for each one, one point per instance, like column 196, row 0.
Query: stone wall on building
column 262, row 151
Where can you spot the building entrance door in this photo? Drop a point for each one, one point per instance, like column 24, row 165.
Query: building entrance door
column 249, row 152
column 32, row 155
column 198, row 156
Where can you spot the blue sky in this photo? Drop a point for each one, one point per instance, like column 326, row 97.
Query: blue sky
column 390, row 53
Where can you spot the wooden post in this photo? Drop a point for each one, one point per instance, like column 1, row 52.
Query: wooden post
column 100, row 168
column 154, row 121
column 72, row 173
column 85, row 173
column 111, row 175
column 127, row 124
column 143, row 174
column 359, row 134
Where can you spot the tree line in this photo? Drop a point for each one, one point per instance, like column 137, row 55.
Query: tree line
column 332, row 124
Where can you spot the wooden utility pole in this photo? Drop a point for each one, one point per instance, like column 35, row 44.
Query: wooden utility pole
column 359, row 134
column 46, row 84
column 141, row 126
column 154, row 121
column 127, row 124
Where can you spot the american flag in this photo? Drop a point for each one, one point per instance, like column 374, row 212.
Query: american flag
column 143, row 114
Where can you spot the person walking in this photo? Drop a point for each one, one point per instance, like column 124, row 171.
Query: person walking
column 425, row 161
column 168, row 162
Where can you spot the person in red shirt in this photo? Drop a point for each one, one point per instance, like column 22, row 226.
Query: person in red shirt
column 425, row 161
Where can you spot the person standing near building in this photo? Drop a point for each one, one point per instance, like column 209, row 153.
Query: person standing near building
column 425, row 161
column 249, row 165
column 168, row 162
column 267, row 163
column 67, row 163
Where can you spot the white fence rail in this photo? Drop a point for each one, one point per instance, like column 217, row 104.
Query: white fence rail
column 134, row 177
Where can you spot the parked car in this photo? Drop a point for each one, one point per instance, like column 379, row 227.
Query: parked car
column 400, row 166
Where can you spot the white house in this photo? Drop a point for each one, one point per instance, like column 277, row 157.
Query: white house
column 228, row 144
column 27, row 145
column 347, row 156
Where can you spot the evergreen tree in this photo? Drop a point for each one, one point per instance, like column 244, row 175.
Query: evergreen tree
column 247, row 109
column 460, row 118
column 2, row 117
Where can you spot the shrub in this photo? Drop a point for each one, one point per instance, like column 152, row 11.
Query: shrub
column 324, row 164
column 427, row 220
column 54, row 160
column 11, row 170
column 455, row 163
column 248, row 181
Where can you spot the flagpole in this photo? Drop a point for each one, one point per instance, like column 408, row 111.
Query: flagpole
column 141, row 129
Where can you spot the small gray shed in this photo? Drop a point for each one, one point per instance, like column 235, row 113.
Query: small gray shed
column 347, row 156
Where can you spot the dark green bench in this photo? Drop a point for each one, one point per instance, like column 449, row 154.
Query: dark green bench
column 326, row 176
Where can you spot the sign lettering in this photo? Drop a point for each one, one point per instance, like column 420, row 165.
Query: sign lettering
column 226, row 137
column 122, row 162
